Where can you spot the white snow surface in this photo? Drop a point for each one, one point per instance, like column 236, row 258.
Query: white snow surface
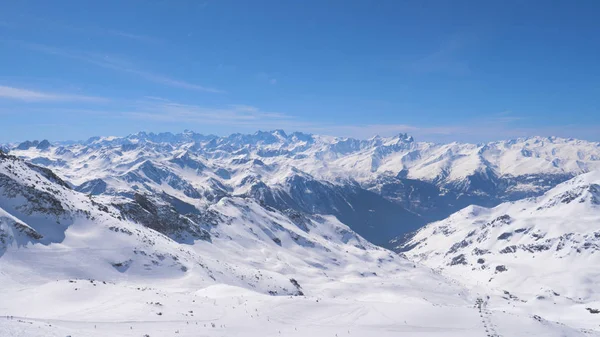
column 70, row 265
column 542, row 253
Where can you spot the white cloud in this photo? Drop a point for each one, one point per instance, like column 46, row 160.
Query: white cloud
column 475, row 132
column 45, row 24
column 268, row 78
column 447, row 59
column 170, row 82
column 245, row 118
column 234, row 115
column 120, row 64
column 36, row 96
column 136, row 37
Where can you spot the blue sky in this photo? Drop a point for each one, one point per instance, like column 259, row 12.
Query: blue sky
column 439, row 70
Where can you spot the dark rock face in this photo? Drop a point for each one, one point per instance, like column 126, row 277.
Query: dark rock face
column 459, row 259
column 164, row 218
column 26, row 145
column 461, row 244
column 149, row 172
column 298, row 218
column 223, row 173
column 43, row 161
column 41, row 207
column 501, row 220
column 43, row 145
column 297, row 286
column 505, row 236
column 186, row 161
column 591, row 191
column 93, row 187
column 37, row 201
column 49, row 175
column 27, row 231
column 478, row 251
column 509, row 250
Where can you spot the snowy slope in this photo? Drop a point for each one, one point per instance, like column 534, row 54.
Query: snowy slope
column 81, row 265
column 542, row 251
column 55, row 232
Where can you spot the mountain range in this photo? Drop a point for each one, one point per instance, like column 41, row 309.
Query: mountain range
column 305, row 234
column 380, row 187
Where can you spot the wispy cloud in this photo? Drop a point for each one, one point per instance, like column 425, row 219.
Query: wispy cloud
column 170, row 81
column 21, row 94
column 223, row 67
column 267, row 78
column 505, row 117
column 246, row 118
column 32, row 22
column 119, row 64
column 447, row 59
column 494, row 127
column 235, row 115
column 131, row 36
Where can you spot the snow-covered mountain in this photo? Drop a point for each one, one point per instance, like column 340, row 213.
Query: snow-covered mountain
column 380, row 187
column 162, row 239
column 537, row 250
column 52, row 231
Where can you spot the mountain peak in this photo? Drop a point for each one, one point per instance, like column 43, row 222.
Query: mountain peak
column 405, row 137
column 279, row 132
column 43, row 145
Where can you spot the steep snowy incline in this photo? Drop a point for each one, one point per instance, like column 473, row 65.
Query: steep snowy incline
column 544, row 251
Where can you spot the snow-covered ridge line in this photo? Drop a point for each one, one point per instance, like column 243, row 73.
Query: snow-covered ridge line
column 382, row 154
column 393, row 183
column 273, row 135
